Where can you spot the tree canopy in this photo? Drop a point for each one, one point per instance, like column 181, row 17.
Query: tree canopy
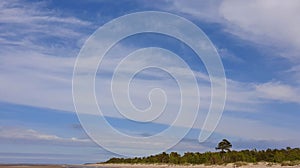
column 286, row 156
column 224, row 145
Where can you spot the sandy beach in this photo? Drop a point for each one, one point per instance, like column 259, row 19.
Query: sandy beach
column 259, row 165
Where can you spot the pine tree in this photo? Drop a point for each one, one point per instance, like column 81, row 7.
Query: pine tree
column 224, row 145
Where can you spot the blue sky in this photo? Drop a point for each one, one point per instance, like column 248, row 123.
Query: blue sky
column 258, row 42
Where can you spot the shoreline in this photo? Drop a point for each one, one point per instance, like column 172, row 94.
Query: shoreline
column 125, row 165
column 229, row 165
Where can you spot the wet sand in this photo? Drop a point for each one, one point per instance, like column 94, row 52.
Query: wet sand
column 29, row 166
column 45, row 166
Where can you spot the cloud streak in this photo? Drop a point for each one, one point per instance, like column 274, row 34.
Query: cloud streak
column 31, row 135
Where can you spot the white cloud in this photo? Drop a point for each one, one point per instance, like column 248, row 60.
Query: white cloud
column 33, row 13
column 17, row 133
column 32, row 78
column 29, row 25
column 37, row 78
column 227, row 55
column 255, row 130
column 38, row 49
column 198, row 9
column 272, row 23
column 39, row 74
column 278, row 91
column 293, row 74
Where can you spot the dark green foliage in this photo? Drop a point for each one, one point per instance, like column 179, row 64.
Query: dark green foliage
column 224, row 145
column 174, row 158
column 287, row 156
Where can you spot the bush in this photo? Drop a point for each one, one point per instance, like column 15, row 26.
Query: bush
column 286, row 157
column 290, row 163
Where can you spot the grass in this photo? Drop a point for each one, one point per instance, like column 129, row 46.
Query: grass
column 290, row 163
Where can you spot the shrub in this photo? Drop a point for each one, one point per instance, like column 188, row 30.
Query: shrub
column 290, row 163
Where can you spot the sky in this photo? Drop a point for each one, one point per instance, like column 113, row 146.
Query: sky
column 258, row 43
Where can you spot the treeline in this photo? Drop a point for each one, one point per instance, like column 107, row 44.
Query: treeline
column 211, row 158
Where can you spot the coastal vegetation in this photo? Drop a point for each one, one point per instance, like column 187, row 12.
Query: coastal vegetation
column 285, row 157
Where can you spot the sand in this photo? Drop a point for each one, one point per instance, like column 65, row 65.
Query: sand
column 32, row 166
column 259, row 165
